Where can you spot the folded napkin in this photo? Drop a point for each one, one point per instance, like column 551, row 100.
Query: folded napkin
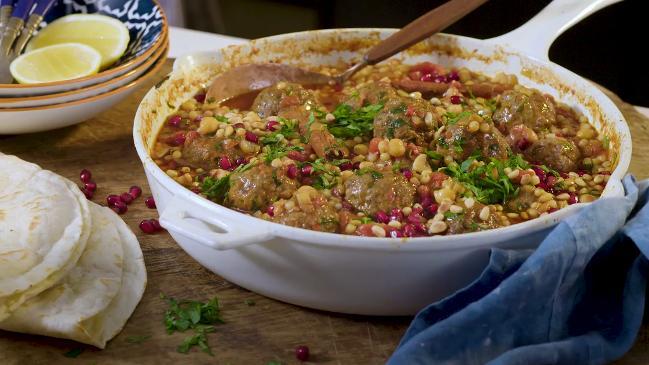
column 577, row 299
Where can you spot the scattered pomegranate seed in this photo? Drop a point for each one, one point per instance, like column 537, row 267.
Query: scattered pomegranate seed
column 431, row 210
column 174, row 121
column 119, row 207
column 85, row 175
column 296, row 155
column 112, row 200
column 426, row 201
column 347, row 205
column 291, row 171
column 440, row 79
column 87, row 193
column 453, row 76
column 224, row 163
column 573, row 198
column 456, row 99
column 177, row 139
column 271, row 210
column 415, row 218
column 382, row 217
column 240, row 161
column 302, row 353
column 91, row 186
column 396, row 214
column 410, row 231
column 200, row 98
column 272, row 126
column 156, row 224
column 426, row 77
column 135, row 191
column 126, row 198
column 251, row 137
column 307, row 170
column 407, row 174
column 346, row 166
column 149, row 202
column 338, row 87
column 150, row 226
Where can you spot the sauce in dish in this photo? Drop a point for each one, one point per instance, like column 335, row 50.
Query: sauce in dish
column 398, row 151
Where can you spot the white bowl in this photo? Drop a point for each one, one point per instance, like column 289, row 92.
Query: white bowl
column 44, row 118
column 342, row 273
column 83, row 93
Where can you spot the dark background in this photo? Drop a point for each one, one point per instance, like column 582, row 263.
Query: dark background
column 608, row 47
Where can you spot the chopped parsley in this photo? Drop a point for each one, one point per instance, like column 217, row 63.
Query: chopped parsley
column 452, row 118
column 458, row 144
column 288, row 129
column 492, row 104
column 350, row 123
column 184, row 315
column 216, row 189
column 434, row 155
column 375, row 174
column 393, row 125
column 309, row 123
column 402, row 108
column 278, row 151
column 137, row 339
column 488, row 181
column 324, row 177
column 366, row 220
column 74, row 353
column 450, row 215
column 222, row 119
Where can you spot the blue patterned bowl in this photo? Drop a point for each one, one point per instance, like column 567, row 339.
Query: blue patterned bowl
column 147, row 25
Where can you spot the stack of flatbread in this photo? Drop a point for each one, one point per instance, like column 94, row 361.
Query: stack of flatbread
column 69, row 268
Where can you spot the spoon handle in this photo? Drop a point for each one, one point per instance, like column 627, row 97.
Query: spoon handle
column 33, row 22
column 421, row 28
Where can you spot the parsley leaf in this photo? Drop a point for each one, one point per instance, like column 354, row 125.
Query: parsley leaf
column 288, row 130
column 184, row 315
column 350, row 123
column 375, row 174
column 434, row 155
column 492, row 104
column 216, row 189
column 325, row 177
column 309, row 123
column 488, row 181
column 74, row 353
column 137, row 339
column 222, row 119
column 278, row 151
column 452, row 118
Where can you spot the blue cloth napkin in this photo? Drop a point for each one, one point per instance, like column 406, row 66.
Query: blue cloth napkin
column 577, row 299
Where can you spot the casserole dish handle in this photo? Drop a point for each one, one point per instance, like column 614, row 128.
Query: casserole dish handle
column 207, row 229
column 535, row 37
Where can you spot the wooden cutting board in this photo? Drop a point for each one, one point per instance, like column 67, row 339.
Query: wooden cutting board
column 252, row 334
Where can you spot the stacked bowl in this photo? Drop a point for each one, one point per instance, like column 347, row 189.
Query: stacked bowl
column 28, row 108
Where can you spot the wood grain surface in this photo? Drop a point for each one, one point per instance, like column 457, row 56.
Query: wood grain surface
column 257, row 334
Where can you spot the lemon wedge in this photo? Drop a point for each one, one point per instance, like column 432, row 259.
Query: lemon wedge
column 107, row 35
column 56, row 63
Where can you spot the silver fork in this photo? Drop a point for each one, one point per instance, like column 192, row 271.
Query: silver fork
column 19, row 29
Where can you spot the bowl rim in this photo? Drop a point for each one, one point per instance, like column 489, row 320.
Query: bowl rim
column 110, row 71
column 144, row 65
column 152, row 70
column 428, row 243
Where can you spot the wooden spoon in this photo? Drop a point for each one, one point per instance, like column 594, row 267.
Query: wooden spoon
column 244, row 79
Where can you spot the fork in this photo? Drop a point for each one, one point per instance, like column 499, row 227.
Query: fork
column 18, row 31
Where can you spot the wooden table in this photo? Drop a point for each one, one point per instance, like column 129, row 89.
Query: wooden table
column 257, row 334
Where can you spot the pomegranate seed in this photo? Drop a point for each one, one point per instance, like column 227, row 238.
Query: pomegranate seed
column 396, row 233
column 149, row 202
column 426, row 77
column 156, row 224
column 91, row 186
column 119, row 207
column 272, row 126
column 420, row 227
column 135, row 191
column 552, row 210
column 381, row 217
column 407, row 174
column 456, row 99
column 296, row 155
column 307, row 170
column 396, row 214
column 346, row 166
column 540, row 173
column 302, row 353
column 251, row 137
column 271, row 210
column 347, row 205
column 87, row 193
column 306, row 180
column 409, row 231
column 177, row 139
column 126, row 198
column 573, row 198
column 581, row 172
column 356, row 166
column 453, row 76
column 147, row 226
column 224, row 163
column 426, row 201
column 85, row 175
column 415, row 218
column 338, row 87
column 240, row 161
column 291, row 172
column 417, row 210
column 440, row 79
column 174, row 121
column 200, row 98
column 112, row 200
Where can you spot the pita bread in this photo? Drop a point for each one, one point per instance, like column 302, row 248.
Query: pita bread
column 44, row 227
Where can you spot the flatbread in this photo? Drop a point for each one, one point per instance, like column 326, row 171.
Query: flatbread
column 44, row 227
column 69, row 308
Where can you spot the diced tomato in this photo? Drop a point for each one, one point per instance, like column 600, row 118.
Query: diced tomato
column 410, row 111
column 374, row 145
column 365, row 230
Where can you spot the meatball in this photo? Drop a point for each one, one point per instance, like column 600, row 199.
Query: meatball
column 536, row 111
column 204, row 152
column 383, row 191
column 373, row 93
column 259, row 186
column 311, row 211
column 555, row 152
column 403, row 118
column 460, row 143
column 280, row 96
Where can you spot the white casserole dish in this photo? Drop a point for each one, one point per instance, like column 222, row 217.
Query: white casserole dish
column 362, row 275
